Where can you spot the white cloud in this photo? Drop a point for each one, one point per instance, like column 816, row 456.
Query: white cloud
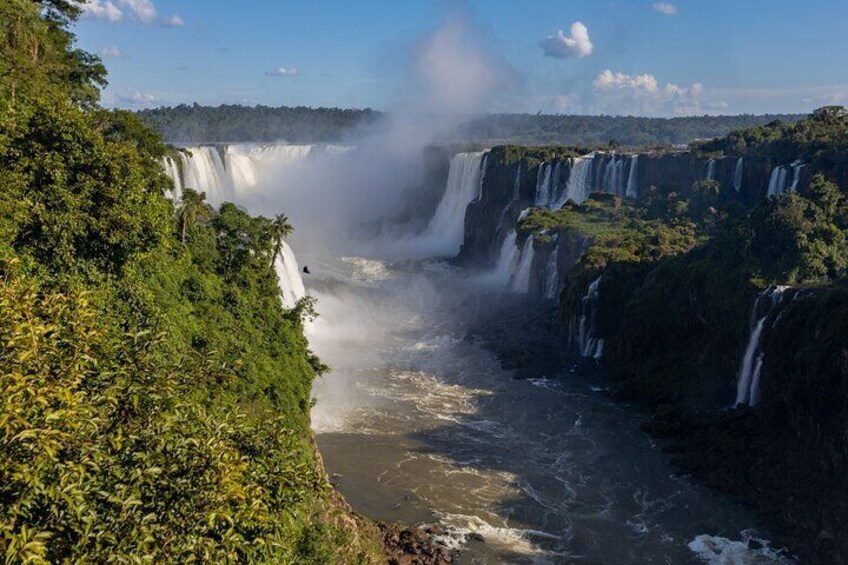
column 664, row 8
column 173, row 21
column 619, row 93
column 113, row 10
column 283, row 72
column 101, row 10
column 561, row 46
column 112, row 52
column 136, row 99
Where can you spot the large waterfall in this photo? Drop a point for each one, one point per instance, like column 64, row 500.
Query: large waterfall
column 444, row 234
column 228, row 173
column 748, row 382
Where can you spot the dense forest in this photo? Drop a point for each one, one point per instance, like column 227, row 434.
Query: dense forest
column 155, row 393
column 202, row 124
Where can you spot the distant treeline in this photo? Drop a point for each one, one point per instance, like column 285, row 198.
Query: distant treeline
column 196, row 124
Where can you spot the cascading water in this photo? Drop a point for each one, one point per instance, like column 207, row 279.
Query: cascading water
column 521, row 279
column 777, row 181
column 172, row 169
column 543, row 185
column 444, row 234
column 587, row 344
column 796, row 175
column 737, row 175
column 288, row 275
column 507, row 259
column 748, row 382
column 204, row 170
column 633, row 177
column 711, row 169
column 579, row 182
column 613, row 176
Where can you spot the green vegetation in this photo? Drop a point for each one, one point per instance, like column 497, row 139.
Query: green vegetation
column 819, row 140
column 155, row 393
column 230, row 123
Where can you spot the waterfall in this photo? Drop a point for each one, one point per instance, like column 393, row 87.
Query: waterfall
column 516, row 187
column 507, row 260
column 552, row 275
column 543, row 184
column 633, row 177
column 579, row 182
column 613, row 181
column 204, row 171
column 796, row 175
column 777, row 181
column 737, row 175
column 748, row 381
column 521, row 279
column 587, row 343
column 172, row 170
column 288, row 273
column 711, row 169
column 446, row 229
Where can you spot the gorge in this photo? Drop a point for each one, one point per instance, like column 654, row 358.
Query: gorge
column 420, row 422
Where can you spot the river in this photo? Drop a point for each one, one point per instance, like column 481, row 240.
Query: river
column 418, row 423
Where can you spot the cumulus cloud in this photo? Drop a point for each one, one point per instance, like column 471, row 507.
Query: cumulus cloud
column 173, row 21
column 112, row 52
column 113, row 10
column 283, row 72
column 136, row 99
column 619, row 93
column 664, row 8
column 561, row 46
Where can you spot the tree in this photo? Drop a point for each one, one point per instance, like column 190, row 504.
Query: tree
column 191, row 210
column 282, row 229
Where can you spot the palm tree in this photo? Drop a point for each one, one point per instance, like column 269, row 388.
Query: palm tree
column 281, row 230
column 192, row 209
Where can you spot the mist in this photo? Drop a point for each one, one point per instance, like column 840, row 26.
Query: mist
column 348, row 198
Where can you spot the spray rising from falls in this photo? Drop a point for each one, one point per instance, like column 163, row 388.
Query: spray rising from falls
column 444, row 234
column 748, row 383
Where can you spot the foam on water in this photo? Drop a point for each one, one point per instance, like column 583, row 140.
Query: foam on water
column 751, row 550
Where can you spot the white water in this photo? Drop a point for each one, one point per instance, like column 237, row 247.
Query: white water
column 543, row 185
column 614, row 176
column 508, row 259
column 288, row 274
column 173, row 172
column 777, row 181
column 579, row 182
column 737, row 174
column 633, row 177
column 717, row 550
column 444, row 234
column 588, row 344
column 748, row 381
column 711, row 169
column 796, row 175
column 521, row 279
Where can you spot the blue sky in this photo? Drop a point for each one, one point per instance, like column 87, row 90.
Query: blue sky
column 617, row 57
